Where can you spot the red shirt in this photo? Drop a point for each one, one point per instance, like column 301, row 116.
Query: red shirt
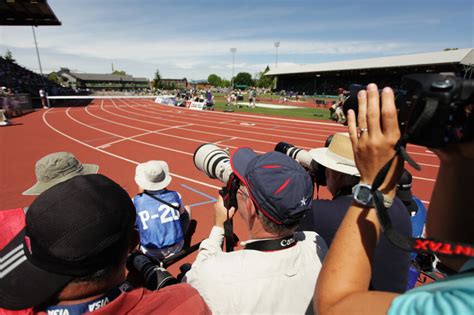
column 176, row 299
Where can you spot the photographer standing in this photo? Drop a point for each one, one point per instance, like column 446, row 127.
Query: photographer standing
column 70, row 258
column 342, row 290
column 276, row 271
column 390, row 264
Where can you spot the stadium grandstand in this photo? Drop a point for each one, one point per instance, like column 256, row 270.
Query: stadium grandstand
column 95, row 81
column 326, row 78
column 174, row 83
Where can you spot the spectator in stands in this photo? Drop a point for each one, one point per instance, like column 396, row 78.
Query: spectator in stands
column 70, row 258
column 276, row 270
column 162, row 217
column 55, row 168
column 22, row 80
column 343, row 290
column 390, row 265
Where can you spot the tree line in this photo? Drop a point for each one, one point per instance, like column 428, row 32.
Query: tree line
column 241, row 79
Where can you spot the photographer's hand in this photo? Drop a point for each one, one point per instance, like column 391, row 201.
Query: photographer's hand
column 220, row 213
column 374, row 140
column 343, row 282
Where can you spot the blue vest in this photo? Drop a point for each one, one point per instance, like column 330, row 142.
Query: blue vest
column 157, row 223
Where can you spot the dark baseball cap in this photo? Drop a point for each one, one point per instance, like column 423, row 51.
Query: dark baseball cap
column 404, row 191
column 72, row 230
column 280, row 188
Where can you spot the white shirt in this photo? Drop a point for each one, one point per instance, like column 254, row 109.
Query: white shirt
column 251, row 281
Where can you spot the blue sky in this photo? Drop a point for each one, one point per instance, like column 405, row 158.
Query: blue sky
column 192, row 38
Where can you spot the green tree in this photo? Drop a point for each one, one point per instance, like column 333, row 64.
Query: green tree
column 9, row 56
column 225, row 83
column 119, row 72
column 447, row 49
column 157, row 80
column 243, row 78
column 53, row 76
column 264, row 81
column 214, row 80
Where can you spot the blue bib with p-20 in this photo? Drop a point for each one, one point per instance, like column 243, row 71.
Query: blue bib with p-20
column 158, row 224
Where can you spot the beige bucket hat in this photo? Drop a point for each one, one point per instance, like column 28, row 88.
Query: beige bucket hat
column 55, row 168
column 153, row 175
column 338, row 156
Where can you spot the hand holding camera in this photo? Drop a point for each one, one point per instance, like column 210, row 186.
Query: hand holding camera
column 374, row 137
column 221, row 213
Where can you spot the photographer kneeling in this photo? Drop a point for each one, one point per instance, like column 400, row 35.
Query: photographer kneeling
column 70, row 258
column 342, row 290
column 277, row 270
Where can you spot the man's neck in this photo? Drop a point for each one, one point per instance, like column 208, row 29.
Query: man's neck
column 81, row 292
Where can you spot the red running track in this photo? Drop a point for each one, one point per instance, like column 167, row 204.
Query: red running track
column 118, row 134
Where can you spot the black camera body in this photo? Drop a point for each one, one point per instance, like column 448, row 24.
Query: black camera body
column 434, row 110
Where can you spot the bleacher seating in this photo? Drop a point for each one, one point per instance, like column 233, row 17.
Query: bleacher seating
column 22, row 80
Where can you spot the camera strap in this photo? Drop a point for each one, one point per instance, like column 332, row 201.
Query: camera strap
column 162, row 201
column 418, row 245
column 273, row 244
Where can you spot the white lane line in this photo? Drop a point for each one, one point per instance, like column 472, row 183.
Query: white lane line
column 99, row 139
column 118, row 156
column 134, row 140
column 106, row 145
column 421, row 178
column 229, row 139
column 199, row 118
column 219, row 134
column 156, row 131
column 154, row 110
column 175, row 127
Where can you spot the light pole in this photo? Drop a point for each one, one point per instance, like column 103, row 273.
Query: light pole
column 233, row 51
column 37, row 51
column 276, row 44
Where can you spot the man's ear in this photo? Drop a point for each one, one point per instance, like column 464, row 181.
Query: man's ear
column 134, row 241
column 251, row 209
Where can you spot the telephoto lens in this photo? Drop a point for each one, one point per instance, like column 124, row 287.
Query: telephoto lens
column 302, row 156
column 213, row 161
column 154, row 276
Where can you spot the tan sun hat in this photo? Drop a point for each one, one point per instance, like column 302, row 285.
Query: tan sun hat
column 55, row 168
column 338, row 156
column 153, row 175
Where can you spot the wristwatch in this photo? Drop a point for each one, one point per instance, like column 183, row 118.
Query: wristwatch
column 362, row 195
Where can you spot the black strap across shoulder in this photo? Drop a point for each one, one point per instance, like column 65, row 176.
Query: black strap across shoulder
column 162, row 201
column 418, row 245
column 273, row 245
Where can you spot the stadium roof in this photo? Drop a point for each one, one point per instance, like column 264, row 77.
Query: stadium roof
column 27, row 12
column 462, row 56
column 106, row 77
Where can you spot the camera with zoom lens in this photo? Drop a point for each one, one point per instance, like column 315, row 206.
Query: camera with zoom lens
column 150, row 271
column 434, row 110
column 303, row 157
column 215, row 163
